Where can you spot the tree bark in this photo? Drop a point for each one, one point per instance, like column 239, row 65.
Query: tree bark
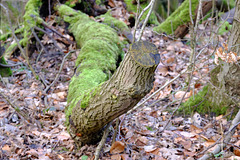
column 128, row 85
column 234, row 40
column 226, row 76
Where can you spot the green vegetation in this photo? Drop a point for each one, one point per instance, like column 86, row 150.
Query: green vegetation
column 9, row 33
column 31, row 19
column 113, row 22
column 84, row 157
column 202, row 104
column 72, row 3
column 177, row 18
column 225, row 27
column 230, row 3
column 4, row 71
column 133, row 8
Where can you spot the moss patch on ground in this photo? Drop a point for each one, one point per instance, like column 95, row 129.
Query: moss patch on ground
column 100, row 49
column 202, row 104
column 178, row 17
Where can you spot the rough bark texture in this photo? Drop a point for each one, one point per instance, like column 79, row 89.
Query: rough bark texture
column 226, row 81
column 226, row 76
column 234, row 39
column 131, row 82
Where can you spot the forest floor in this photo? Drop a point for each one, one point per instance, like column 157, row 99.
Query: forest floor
column 38, row 131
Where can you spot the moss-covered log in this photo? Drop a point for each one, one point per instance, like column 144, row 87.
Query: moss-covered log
column 91, row 103
column 179, row 17
column 111, row 99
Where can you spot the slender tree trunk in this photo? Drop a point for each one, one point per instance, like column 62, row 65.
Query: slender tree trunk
column 225, row 78
column 234, row 40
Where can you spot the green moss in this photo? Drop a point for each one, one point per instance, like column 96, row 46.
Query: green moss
column 100, row 49
column 177, row 18
column 119, row 26
column 31, row 18
column 202, row 104
column 230, row 3
column 8, row 34
column 72, row 3
column 133, row 8
column 98, row 2
column 10, row 49
column 225, row 27
column 113, row 22
column 4, row 71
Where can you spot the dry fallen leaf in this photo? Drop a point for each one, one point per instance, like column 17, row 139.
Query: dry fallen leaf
column 117, row 147
column 6, row 148
column 230, row 57
column 63, row 136
column 141, row 141
column 180, row 94
column 150, row 148
column 116, row 157
column 162, row 70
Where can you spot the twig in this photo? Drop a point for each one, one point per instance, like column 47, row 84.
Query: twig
column 190, row 11
column 175, row 109
column 136, row 24
column 102, row 142
column 59, row 71
column 146, row 20
column 198, row 16
column 57, row 76
column 47, row 26
column 54, row 41
column 9, row 65
column 36, row 37
column 205, row 150
column 49, row 9
column 168, row 8
column 116, row 130
column 16, row 108
column 139, row 17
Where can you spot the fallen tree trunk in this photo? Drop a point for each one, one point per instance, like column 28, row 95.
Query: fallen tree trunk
column 91, row 103
column 131, row 82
